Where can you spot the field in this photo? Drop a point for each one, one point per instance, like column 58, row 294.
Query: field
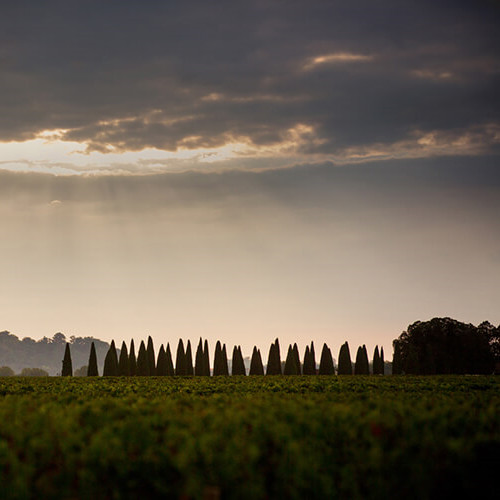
column 248, row 437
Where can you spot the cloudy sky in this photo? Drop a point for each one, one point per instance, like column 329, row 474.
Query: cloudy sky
column 314, row 170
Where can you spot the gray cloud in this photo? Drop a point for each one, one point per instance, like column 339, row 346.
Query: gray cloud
column 196, row 74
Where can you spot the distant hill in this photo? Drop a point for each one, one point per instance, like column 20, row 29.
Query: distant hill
column 48, row 353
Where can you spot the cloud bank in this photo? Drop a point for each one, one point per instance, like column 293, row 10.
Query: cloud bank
column 301, row 79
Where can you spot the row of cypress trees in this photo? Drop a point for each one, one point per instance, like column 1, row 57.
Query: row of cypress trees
column 145, row 363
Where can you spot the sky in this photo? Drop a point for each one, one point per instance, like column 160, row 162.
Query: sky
column 308, row 170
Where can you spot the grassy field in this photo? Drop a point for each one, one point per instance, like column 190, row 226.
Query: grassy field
column 249, row 437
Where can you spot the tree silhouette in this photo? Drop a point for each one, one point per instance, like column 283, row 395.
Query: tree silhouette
column 111, row 362
column 170, row 364
column 142, row 361
column 290, row 363
column 123, row 366
column 361, row 366
column 313, row 357
column 274, row 359
column 189, row 359
column 180, row 360
column 256, row 366
column 382, row 362
column 132, row 361
column 238, row 366
column 161, row 363
column 67, row 367
column 198, row 360
column 151, row 357
column 225, row 368
column 220, row 360
column 326, row 362
column 92, row 370
column 206, row 360
column 297, row 359
column 345, row 363
column 376, row 362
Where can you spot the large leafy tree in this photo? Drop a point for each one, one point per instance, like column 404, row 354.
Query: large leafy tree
column 442, row 346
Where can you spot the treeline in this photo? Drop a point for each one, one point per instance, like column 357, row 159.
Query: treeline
column 46, row 353
column 447, row 346
column 147, row 363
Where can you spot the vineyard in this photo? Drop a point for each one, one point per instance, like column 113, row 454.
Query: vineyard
column 248, row 437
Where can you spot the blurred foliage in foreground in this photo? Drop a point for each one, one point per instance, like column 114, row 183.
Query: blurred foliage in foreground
column 249, row 437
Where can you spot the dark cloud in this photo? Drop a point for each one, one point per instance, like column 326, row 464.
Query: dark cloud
column 171, row 74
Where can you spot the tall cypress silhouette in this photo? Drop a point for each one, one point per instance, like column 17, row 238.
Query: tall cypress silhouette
column 123, row 366
column 218, row 370
column 92, row 370
column 313, row 358
column 111, row 362
column 161, row 363
column 132, row 361
column 382, row 362
column 256, row 366
column 151, row 357
column 225, row 368
column 238, row 366
column 290, row 363
column 345, row 364
column 274, row 359
column 189, row 359
column 67, row 366
column 297, row 359
column 308, row 367
column 198, row 360
column 361, row 366
column 326, row 362
column 180, row 360
column 142, row 361
column 376, row 361
column 206, row 360
column 170, row 364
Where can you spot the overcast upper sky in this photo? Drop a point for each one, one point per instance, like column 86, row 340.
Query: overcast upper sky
column 242, row 170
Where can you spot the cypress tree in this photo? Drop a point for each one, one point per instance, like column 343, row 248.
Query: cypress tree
column 290, row 363
column 308, row 367
column 123, row 366
column 170, row 364
column 382, row 362
column 111, row 362
column 326, row 362
column 151, row 357
column 238, row 366
column 92, row 370
column 67, row 366
column 256, row 366
column 180, row 360
column 361, row 366
column 376, row 361
column 142, row 361
column 225, row 368
column 189, row 359
column 198, row 363
column 297, row 359
column 274, row 359
column 217, row 359
column 161, row 363
column 132, row 361
column 345, row 364
column 313, row 357
column 206, row 360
